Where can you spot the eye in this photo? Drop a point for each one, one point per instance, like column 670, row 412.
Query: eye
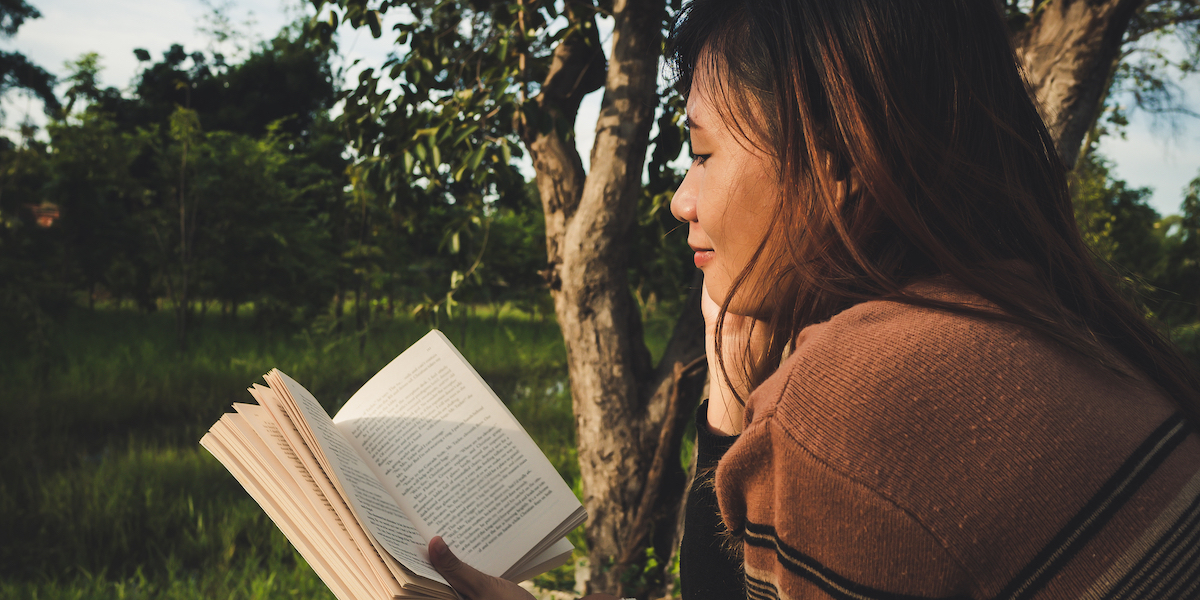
column 699, row 159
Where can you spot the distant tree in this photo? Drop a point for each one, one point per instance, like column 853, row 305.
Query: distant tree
column 239, row 218
column 287, row 82
column 1155, row 259
column 1179, row 277
column 177, row 236
column 16, row 71
column 260, row 238
column 32, row 261
column 268, row 111
column 83, row 79
column 1116, row 220
column 102, row 227
column 154, row 197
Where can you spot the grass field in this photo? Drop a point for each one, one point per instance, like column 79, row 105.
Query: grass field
column 105, row 493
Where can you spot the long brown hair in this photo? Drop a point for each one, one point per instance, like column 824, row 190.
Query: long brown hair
column 909, row 146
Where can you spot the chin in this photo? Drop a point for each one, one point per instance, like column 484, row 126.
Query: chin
column 756, row 297
column 746, row 306
column 756, row 301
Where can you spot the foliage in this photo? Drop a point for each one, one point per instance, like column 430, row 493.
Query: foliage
column 32, row 261
column 1155, row 260
column 664, row 266
column 102, row 203
column 167, row 191
column 16, row 71
column 437, row 128
column 287, row 81
column 163, row 192
column 30, row 294
column 1117, row 222
column 436, row 145
column 240, row 203
column 1179, row 278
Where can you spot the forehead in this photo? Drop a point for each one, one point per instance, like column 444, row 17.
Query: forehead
column 699, row 106
column 712, row 105
column 719, row 118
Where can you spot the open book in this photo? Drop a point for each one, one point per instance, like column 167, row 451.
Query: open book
column 425, row 448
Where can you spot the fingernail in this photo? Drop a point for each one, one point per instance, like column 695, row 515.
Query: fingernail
column 438, row 548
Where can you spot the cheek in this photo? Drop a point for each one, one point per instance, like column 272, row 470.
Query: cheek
column 758, row 203
column 735, row 214
column 716, row 205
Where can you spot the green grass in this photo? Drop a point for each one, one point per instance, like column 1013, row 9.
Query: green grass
column 152, row 522
column 105, row 493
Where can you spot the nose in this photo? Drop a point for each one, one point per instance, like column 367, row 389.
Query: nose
column 683, row 203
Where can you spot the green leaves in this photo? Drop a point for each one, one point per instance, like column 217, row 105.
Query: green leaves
column 1155, row 259
column 375, row 23
column 459, row 77
column 184, row 125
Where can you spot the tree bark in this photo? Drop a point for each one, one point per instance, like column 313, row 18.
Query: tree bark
column 627, row 411
column 606, row 356
column 1070, row 50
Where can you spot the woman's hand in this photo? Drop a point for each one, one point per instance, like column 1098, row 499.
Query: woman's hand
column 473, row 585
column 725, row 413
column 469, row 583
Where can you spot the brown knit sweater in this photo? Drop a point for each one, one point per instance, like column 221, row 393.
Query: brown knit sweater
column 903, row 452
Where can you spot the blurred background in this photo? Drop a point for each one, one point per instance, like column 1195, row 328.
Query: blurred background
column 183, row 208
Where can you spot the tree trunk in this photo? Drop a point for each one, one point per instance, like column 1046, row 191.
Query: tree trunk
column 1070, row 50
column 628, row 414
column 339, row 306
column 606, row 355
column 181, row 303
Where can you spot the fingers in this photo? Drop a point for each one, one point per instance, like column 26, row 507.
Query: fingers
column 468, row 582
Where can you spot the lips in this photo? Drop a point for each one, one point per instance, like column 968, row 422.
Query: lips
column 703, row 256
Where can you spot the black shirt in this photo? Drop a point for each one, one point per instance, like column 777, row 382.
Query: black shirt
column 707, row 570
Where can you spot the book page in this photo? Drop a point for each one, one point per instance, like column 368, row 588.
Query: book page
column 267, row 398
column 300, row 445
column 300, row 484
column 279, row 484
column 373, row 506
column 459, row 463
column 211, row 441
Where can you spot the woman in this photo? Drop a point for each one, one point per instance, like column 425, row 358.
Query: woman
column 966, row 409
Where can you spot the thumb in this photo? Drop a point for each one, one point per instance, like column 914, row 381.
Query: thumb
column 462, row 577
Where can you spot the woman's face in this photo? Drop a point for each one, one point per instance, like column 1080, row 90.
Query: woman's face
column 727, row 199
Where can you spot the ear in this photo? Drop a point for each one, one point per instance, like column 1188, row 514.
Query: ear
column 850, row 186
column 842, row 173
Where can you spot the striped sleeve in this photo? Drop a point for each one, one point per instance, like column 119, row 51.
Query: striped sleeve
column 1099, row 510
column 893, row 558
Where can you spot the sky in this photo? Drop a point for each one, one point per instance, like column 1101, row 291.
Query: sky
column 1154, row 155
